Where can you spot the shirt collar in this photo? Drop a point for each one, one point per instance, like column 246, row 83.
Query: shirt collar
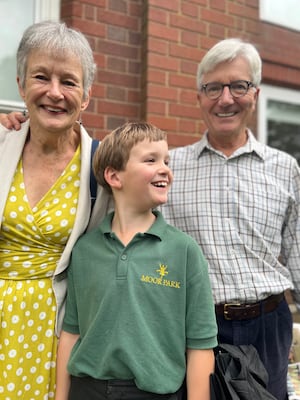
column 252, row 146
column 157, row 229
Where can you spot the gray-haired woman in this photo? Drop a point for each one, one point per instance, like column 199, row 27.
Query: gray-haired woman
column 44, row 204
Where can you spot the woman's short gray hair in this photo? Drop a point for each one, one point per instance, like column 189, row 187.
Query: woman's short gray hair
column 227, row 50
column 58, row 39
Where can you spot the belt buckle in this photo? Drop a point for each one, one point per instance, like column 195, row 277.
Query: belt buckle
column 226, row 306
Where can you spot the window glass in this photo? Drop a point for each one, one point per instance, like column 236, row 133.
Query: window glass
column 279, row 119
column 284, row 127
column 285, row 13
column 15, row 17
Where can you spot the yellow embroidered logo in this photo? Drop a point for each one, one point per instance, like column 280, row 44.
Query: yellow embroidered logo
column 162, row 271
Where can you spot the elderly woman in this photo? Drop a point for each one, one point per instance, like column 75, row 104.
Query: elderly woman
column 44, row 204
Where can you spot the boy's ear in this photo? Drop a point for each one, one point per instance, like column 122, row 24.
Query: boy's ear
column 112, row 178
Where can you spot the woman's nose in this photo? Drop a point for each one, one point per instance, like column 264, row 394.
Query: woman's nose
column 54, row 90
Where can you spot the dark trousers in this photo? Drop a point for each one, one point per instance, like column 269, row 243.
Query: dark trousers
column 94, row 389
column 271, row 334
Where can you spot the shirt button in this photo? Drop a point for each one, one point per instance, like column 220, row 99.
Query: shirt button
column 124, row 257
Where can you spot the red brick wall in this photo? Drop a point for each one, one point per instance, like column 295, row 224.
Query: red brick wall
column 147, row 53
column 114, row 30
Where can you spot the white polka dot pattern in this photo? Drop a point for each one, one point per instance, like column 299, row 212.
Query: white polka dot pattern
column 31, row 244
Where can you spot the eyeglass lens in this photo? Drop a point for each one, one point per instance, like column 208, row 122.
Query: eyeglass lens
column 237, row 89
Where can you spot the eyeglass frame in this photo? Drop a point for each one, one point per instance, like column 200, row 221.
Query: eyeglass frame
column 222, row 85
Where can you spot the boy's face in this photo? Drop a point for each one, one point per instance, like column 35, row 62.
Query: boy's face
column 147, row 178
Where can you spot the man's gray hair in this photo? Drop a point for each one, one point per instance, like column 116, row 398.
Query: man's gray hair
column 227, row 50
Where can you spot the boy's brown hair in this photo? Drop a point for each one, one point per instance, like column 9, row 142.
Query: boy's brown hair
column 114, row 150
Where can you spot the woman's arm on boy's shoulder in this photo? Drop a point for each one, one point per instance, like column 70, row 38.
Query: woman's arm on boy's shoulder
column 12, row 120
column 200, row 364
column 66, row 343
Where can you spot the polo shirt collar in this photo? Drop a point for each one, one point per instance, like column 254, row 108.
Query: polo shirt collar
column 157, row 229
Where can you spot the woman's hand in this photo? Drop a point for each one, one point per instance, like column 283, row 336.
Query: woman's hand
column 12, row 120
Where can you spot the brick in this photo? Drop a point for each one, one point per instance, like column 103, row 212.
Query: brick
column 175, row 140
column 115, row 93
column 162, row 92
column 180, row 110
column 182, row 81
column 185, row 52
column 114, row 122
column 172, row 5
column 217, row 17
column 189, row 9
column 165, row 63
column 118, row 5
column 157, row 45
column 190, row 24
column 157, row 15
column 156, row 107
column 191, row 39
column 164, row 123
column 163, row 32
column 115, row 108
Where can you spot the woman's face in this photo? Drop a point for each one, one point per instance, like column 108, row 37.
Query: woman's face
column 53, row 91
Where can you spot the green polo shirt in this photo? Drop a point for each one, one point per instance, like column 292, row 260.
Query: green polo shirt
column 138, row 307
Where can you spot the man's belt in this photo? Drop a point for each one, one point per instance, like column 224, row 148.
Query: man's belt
column 238, row 311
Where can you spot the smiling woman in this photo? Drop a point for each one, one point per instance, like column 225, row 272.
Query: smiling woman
column 44, row 204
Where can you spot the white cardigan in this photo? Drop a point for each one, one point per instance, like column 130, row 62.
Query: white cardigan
column 11, row 147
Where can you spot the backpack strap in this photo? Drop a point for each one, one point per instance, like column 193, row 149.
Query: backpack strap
column 93, row 182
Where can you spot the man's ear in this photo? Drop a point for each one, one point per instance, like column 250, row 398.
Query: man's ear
column 112, row 178
column 256, row 94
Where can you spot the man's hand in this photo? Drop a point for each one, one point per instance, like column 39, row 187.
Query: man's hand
column 12, row 120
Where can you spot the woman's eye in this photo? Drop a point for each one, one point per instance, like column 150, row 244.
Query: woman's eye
column 69, row 83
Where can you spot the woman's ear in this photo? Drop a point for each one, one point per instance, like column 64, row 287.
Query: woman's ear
column 86, row 101
column 112, row 178
column 21, row 90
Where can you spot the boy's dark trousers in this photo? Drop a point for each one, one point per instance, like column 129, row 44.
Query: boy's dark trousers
column 94, row 389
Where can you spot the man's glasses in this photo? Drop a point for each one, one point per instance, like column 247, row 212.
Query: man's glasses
column 237, row 89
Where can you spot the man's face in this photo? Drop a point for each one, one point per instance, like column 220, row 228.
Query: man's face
column 227, row 115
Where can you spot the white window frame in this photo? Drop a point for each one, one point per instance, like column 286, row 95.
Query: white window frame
column 44, row 10
column 266, row 93
column 47, row 10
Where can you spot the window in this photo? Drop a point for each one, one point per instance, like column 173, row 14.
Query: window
column 285, row 13
column 279, row 119
column 15, row 17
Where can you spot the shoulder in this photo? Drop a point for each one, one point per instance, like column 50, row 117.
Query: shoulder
column 17, row 138
column 181, row 157
column 279, row 158
column 183, row 151
column 179, row 239
column 87, row 240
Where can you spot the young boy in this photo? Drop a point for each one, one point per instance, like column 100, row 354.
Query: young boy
column 139, row 314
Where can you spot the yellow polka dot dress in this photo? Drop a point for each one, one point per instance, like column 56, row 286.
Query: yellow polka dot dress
column 31, row 244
